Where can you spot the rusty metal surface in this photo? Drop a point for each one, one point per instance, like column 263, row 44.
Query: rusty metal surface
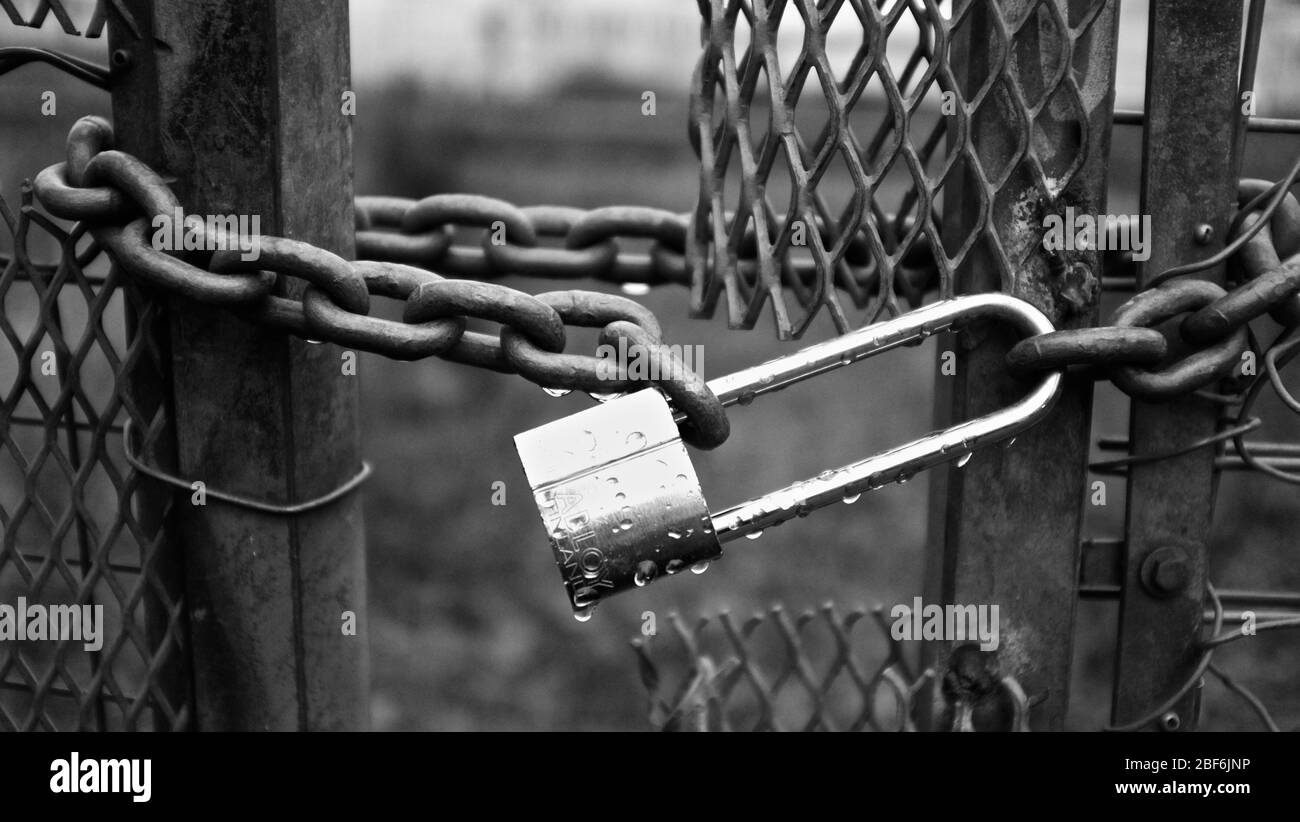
column 240, row 110
column 1192, row 83
column 989, row 516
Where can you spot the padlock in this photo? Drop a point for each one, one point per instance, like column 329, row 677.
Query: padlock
column 619, row 496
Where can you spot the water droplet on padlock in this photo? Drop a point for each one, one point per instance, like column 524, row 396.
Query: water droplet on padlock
column 847, row 359
column 645, row 572
column 754, row 535
column 673, row 533
column 603, row 397
column 825, row 475
column 963, row 459
column 557, row 392
column 620, row 496
column 673, row 566
column 902, row 479
column 765, row 379
column 874, row 482
column 681, row 478
column 746, row 398
column 699, row 567
column 850, row 498
column 557, row 534
column 1009, row 443
column 636, row 439
column 635, row 289
column 583, row 614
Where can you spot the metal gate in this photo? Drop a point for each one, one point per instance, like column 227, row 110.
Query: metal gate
column 857, row 189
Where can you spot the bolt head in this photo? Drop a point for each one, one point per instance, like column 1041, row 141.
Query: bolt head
column 1204, row 233
column 1172, row 575
column 1166, row 571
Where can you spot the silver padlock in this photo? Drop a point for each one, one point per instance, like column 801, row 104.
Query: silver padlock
column 619, row 497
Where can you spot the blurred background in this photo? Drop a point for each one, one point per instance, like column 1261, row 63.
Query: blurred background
column 541, row 103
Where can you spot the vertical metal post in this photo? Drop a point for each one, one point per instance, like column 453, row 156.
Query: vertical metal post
column 1188, row 179
column 1006, row 528
column 239, row 101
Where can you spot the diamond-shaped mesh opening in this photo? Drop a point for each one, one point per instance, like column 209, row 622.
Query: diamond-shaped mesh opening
column 868, row 104
column 818, row 670
column 82, row 534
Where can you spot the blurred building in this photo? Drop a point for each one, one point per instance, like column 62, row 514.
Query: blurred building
column 521, row 48
column 517, row 48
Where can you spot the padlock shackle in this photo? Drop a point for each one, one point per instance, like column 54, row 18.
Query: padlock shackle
column 903, row 461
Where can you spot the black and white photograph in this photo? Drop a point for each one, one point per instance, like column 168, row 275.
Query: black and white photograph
column 628, row 366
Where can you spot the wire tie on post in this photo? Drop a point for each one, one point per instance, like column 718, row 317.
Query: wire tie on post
column 279, row 509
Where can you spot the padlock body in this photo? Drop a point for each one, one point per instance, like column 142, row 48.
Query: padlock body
column 618, row 496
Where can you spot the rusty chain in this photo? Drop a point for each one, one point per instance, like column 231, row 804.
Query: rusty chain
column 119, row 197
column 402, row 241
column 1213, row 335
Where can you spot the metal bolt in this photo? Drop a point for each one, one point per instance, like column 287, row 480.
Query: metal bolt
column 1166, row 571
column 1204, row 233
column 1171, row 721
column 121, row 58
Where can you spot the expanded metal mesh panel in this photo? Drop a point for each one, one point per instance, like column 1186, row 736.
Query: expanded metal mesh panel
column 860, row 118
column 814, row 671
column 78, row 526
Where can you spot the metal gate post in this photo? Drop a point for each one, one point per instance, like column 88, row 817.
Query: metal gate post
column 1188, row 180
column 1006, row 528
column 239, row 101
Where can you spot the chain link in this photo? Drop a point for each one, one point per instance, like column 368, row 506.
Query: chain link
column 1209, row 343
column 119, row 198
column 402, row 242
